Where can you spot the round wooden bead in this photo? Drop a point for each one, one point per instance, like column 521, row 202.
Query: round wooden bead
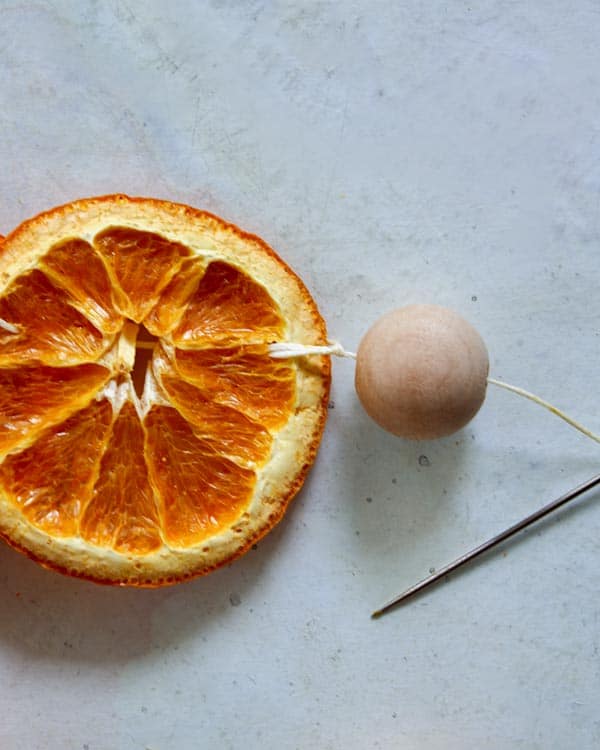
column 421, row 372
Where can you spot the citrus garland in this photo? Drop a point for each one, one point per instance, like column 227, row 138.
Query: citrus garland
column 146, row 434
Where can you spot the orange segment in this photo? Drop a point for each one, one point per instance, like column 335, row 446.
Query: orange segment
column 122, row 513
column 228, row 307
column 142, row 263
column 202, row 491
column 50, row 330
column 224, row 429
column 171, row 305
column 53, row 479
column 75, row 266
column 32, row 398
column 245, row 378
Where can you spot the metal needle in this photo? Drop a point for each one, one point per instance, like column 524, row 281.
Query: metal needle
column 562, row 500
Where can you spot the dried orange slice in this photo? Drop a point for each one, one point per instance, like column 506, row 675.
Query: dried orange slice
column 146, row 435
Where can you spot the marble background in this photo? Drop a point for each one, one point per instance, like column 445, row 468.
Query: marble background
column 391, row 152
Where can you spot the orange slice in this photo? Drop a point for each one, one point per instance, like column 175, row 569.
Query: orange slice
column 146, row 435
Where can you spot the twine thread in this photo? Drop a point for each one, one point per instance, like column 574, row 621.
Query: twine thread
column 292, row 350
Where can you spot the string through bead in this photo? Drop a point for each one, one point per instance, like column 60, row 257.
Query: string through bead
column 291, row 350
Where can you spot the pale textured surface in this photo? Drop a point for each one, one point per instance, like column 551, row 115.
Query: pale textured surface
column 392, row 153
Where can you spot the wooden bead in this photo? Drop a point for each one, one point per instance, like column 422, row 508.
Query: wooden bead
column 421, row 372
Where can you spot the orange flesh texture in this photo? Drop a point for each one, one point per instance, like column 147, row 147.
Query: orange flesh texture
column 50, row 330
column 175, row 297
column 182, row 473
column 75, row 266
column 202, row 491
column 53, row 479
column 123, row 512
column 142, row 264
column 244, row 378
column 32, row 398
column 226, row 430
column 228, row 307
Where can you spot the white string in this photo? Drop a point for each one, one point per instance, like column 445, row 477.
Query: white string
column 289, row 350
column 8, row 326
column 546, row 405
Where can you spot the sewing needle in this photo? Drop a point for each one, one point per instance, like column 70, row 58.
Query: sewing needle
column 467, row 557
